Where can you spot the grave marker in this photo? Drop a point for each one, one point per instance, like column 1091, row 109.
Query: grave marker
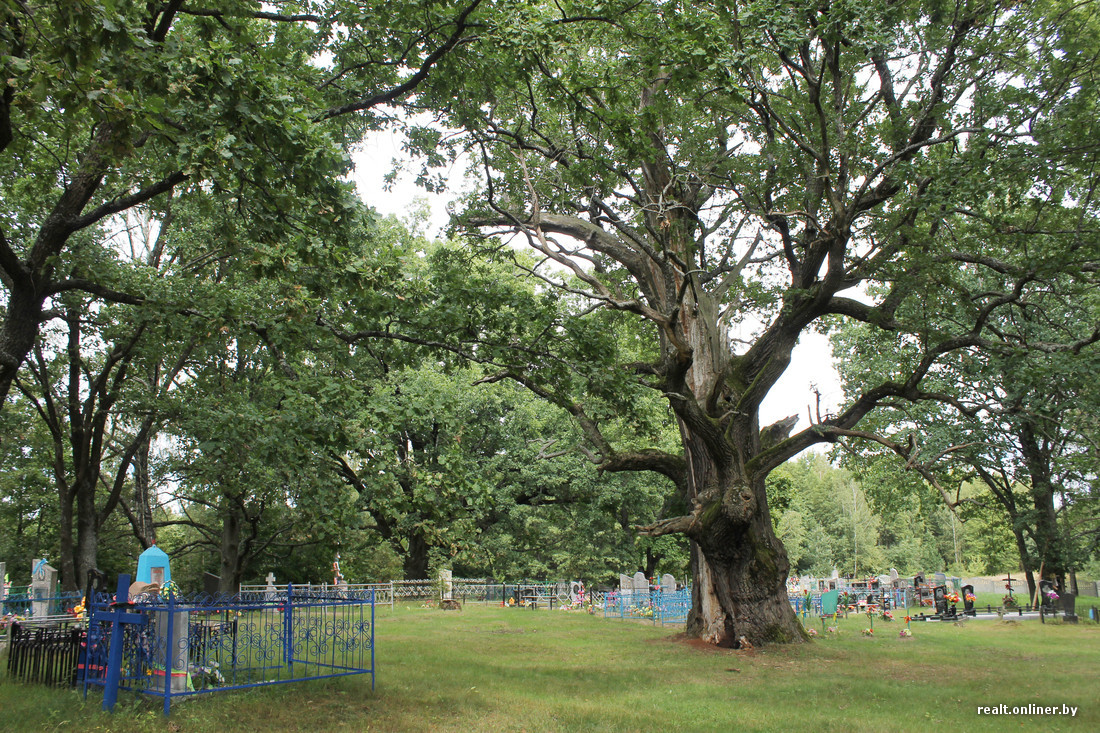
column 118, row 616
column 43, row 582
column 1069, row 607
column 668, row 583
column 210, row 584
column 1045, row 587
column 446, row 584
column 626, row 584
column 269, row 591
column 939, row 595
column 337, row 576
column 153, row 567
column 641, row 585
column 3, row 581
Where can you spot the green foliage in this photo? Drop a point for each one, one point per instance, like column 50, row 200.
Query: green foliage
column 830, row 518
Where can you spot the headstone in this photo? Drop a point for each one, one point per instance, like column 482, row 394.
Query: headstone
column 210, row 584
column 968, row 599
column 3, row 581
column 626, row 584
column 43, row 582
column 641, row 585
column 153, row 567
column 1045, row 587
column 1069, row 607
column 668, row 583
column 576, row 592
column 446, row 585
column 174, row 663
column 337, row 576
column 894, row 577
column 270, row 592
column 939, row 595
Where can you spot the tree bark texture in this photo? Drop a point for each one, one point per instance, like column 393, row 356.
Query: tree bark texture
column 415, row 561
column 739, row 566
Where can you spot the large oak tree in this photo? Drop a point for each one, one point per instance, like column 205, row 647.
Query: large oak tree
column 736, row 174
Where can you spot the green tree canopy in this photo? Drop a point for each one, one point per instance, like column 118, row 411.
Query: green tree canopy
column 733, row 175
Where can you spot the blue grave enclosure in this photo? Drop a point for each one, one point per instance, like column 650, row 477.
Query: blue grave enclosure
column 153, row 567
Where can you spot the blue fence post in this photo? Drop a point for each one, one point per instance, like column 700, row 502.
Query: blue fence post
column 169, row 657
column 287, row 627
column 372, row 641
column 114, row 656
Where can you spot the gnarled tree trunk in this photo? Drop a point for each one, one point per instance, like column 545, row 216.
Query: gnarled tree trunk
column 739, row 566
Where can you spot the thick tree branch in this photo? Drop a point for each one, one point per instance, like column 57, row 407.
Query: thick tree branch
column 457, row 37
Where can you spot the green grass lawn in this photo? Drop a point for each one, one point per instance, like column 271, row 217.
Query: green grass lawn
column 493, row 669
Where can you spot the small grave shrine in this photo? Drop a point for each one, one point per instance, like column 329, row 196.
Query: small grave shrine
column 154, row 568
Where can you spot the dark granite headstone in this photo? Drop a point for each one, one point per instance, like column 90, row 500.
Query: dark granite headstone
column 939, row 595
column 968, row 603
column 1069, row 607
column 210, row 583
column 1045, row 587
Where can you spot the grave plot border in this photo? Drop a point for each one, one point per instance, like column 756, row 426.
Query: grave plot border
column 660, row 607
column 179, row 647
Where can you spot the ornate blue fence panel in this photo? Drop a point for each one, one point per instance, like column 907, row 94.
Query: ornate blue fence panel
column 654, row 605
column 20, row 601
column 191, row 646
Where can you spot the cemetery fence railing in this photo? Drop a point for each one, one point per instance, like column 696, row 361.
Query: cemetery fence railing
column 183, row 646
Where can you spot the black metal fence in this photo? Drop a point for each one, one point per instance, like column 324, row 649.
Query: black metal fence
column 46, row 655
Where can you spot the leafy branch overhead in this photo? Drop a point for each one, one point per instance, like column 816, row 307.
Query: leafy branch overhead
column 108, row 106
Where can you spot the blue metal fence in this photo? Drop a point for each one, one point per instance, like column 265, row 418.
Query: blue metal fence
column 175, row 647
column 655, row 605
column 810, row 604
column 18, row 600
